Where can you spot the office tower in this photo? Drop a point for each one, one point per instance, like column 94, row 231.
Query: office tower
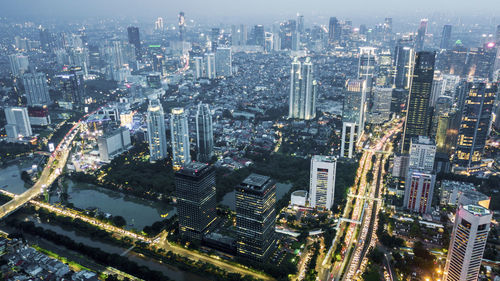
column 468, row 240
column 474, row 126
column 303, row 91
column 418, row 113
column 157, row 137
column 113, row 142
column 135, row 39
column 18, row 64
column 420, row 38
column 39, row 115
column 381, row 106
column 366, row 63
column 180, row 138
column 497, row 35
column 385, row 69
column 256, row 217
column 72, row 85
column 259, row 35
column 209, row 66
column 182, row 26
column 18, row 123
column 349, row 138
column 388, row 25
column 154, row 80
column 354, row 105
column 196, row 203
column 45, row 38
column 198, row 67
column 398, row 101
column 159, row 24
column 404, row 58
column 300, row 23
column 419, row 189
column 80, row 57
column 322, row 181
column 214, row 37
column 35, row 86
column 276, row 37
column 223, row 62
column 437, row 89
column 204, row 133
column 422, row 154
column 288, row 35
column 445, row 37
column 334, row 30
column 442, row 108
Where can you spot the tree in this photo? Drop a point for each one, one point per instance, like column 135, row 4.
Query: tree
column 119, row 221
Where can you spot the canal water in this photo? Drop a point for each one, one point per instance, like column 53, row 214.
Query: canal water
column 230, row 198
column 10, row 176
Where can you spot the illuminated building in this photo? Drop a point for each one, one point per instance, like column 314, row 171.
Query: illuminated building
column 113, row 142
column 420, row 38
column 154, row 80
column 134, row 39
column 418, row 113
column 209, row 66
column 468, row 240
column 196, row 203
column 456, row 193
column 322, row 181
column 214, row 36
column 182, row 26
column 419, row 189
column 198, row 67
column 204, row 133
column 475, row 122
column 256, row 217
column 303, row 90
column 180, row 138
column 354, row 105
column 18, row 64
column 72, row 85
column 18, row 123
column 404, row 58
column 445, row 37
column 349, row 138
column 39, row 115
column 366, row 63
column 157, row 137
column 35, row 86
column 381, row 106
column 422, row 154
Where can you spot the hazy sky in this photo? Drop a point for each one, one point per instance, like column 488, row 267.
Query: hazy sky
column 225, row 10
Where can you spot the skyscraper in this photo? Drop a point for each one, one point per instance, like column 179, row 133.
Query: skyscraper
column 420, row 38
column 209, row 66
column 256, row 217
column 334, row 30
column 35, row 86
column 418, row 113
column 196, row 203
column 18, row 123
column 476, row 117
column 214, row 37
column 198, row 67
column 468, row 240
column 445, row 37
column 45, row 38
column 381, row 105
column 366, row 63
column 182, row 26
column 223, row 62
column 354, row 105
column 422, row 154
column 497, row 35
column 404, row 58
column 303, row 88
column 180, row 138
column 157, row 137
column 135, row 39
column 259, row 35
column 322, row 181
column 204, row 133
column 349, row 138
column 18, row 64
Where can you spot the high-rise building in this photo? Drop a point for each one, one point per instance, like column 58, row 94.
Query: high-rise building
column 18, row 64
column 446, row 37
column 196, row 203
column 18, row 123
column 209, row 66
column 474, row 126
column 214, row 37
column 113, row 142
column 422, row 154
column 180, row 138
column 419, row 189
column 303, row 91
column 381, row 105
column 157, row 137
column 322, row 181
column 367, row 62
column 300, row 23
column 497, row 35
column 182, row 26
column 35, row 86
column 420, row 38
column 135, row 39
column 468, row 241
column 256, row 217
column 46, row 41
column 198, row 67
column 259, row 35
column 72, row 85
column 418, row 113
column 223, row 62
column 354, row 105
column 404, row 58
column 349, row 138
column 334, row 30
column 204, row 133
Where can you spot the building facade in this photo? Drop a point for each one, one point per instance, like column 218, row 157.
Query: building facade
column 204, row 134
column 157, row 137
column 322, row 181
column 303, row 91
column 179, row 133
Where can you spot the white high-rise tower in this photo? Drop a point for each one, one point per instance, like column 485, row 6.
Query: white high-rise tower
column 180, row 138
column 303, row 91
column 156, row 131
column 322, row 181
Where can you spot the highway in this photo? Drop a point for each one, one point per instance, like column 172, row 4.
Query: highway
column 359, row 207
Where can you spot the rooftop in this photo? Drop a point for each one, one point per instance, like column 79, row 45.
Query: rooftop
column 476, row 210
column 193, row 169
column 324, row 158
column 256, row 180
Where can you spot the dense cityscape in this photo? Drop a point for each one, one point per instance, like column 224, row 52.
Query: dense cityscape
column 302, row 147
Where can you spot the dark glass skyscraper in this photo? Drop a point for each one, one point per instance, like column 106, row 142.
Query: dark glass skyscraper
column 204, row 133
column 256, row 217
column 134, row 39
column 259, row 35
column 420, row 38
column 418, row 114
column 476, row 117
column 334, row 30
column 403, row 64
column 445, row 37
column 195, row 191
